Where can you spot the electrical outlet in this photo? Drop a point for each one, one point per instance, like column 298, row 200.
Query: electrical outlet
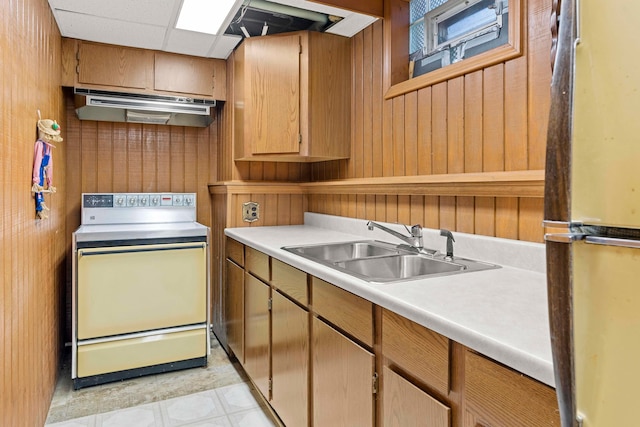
column 250, row 211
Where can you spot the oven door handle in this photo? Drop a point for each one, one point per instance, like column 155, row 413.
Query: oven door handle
column 82, row 252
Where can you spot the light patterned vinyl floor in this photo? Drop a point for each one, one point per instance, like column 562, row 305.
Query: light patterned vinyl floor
column 218, row 395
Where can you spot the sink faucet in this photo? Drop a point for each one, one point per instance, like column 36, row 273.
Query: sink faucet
column 450, row 240
column 414, row 240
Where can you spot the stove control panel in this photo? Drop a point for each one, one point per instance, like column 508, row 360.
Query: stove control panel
column 138, row 200
column 137, row 208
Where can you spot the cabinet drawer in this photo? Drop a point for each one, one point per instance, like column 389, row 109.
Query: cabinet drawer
column 406, row 405
column 257, row 263
column 290, row 281
column 416, row 349
column 497, row 395
column 120, row 355
column 235, row 251
column 347, row 311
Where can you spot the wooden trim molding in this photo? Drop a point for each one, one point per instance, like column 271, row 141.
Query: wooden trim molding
column 255, row 187
column 488, row 184
column 511, row 50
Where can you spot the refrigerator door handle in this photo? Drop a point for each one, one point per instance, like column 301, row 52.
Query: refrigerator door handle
column 563, row 231
column 612, row 241
column 564, row 237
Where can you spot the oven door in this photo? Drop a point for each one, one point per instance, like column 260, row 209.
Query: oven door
column 128, row 289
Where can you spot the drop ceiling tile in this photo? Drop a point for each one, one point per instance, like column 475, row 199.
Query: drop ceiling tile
column 316, row 7
column 154, row 12
column 110, row 31
column 224, row 46
column 352, row 24
column 189, row 42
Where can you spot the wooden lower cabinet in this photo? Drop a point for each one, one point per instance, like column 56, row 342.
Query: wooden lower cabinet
column 256, row 332
column 234, row 309
column 496, row 396
column 289, row 361
column 418, row 350
column 322, row 374
column 342, row 379
column 405, row 405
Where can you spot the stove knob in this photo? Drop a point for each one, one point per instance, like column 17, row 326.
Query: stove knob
column 188, row 201
column 120, row 201
column 143, row 202
column 132, row 202
column 155, row 200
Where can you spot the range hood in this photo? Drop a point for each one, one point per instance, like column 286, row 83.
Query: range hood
column 138, row 108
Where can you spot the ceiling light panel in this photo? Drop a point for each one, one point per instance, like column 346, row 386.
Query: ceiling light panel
column 204, row 16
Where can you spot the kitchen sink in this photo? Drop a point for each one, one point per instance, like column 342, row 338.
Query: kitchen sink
column 382, row 262
column 335, row 252
column 399, row 267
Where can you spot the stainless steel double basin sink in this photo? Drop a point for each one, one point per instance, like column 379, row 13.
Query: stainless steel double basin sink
column 382, row 262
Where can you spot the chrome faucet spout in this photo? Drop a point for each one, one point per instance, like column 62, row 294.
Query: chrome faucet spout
column 414, row 239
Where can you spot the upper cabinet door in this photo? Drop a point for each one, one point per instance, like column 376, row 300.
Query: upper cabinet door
column 188, row 74
column 273, row 98
column 112, row 65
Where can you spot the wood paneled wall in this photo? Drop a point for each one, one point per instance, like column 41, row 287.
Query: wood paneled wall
column 32, row 252
column 493, row 119
column 280, row 204
column 131, row 157
column 126, row 157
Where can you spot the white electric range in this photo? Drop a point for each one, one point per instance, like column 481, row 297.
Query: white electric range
column 140, row 295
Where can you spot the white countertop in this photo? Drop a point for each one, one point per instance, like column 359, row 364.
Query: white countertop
column 500, row 313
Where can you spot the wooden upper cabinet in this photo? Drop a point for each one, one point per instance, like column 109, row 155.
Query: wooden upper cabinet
column 123, row 69
column 190, row 75
column 273, row 72
column 292, row 97
column 100, row 64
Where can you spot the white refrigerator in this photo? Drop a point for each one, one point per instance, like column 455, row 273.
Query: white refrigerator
column 592, row 213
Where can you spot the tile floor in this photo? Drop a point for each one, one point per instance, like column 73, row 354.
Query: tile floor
column 218, row 395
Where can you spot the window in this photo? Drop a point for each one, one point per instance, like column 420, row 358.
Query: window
column 445, row 32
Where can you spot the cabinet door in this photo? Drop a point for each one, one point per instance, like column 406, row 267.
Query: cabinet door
column 405, row 405
column 290, row 361
column 272, row 96
column 188, row 74
column 498, row 396
column 349, row 312
column 342, row 380
column 112, row 66
column 234, row 309
column 416, row 349
column 256, row 332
